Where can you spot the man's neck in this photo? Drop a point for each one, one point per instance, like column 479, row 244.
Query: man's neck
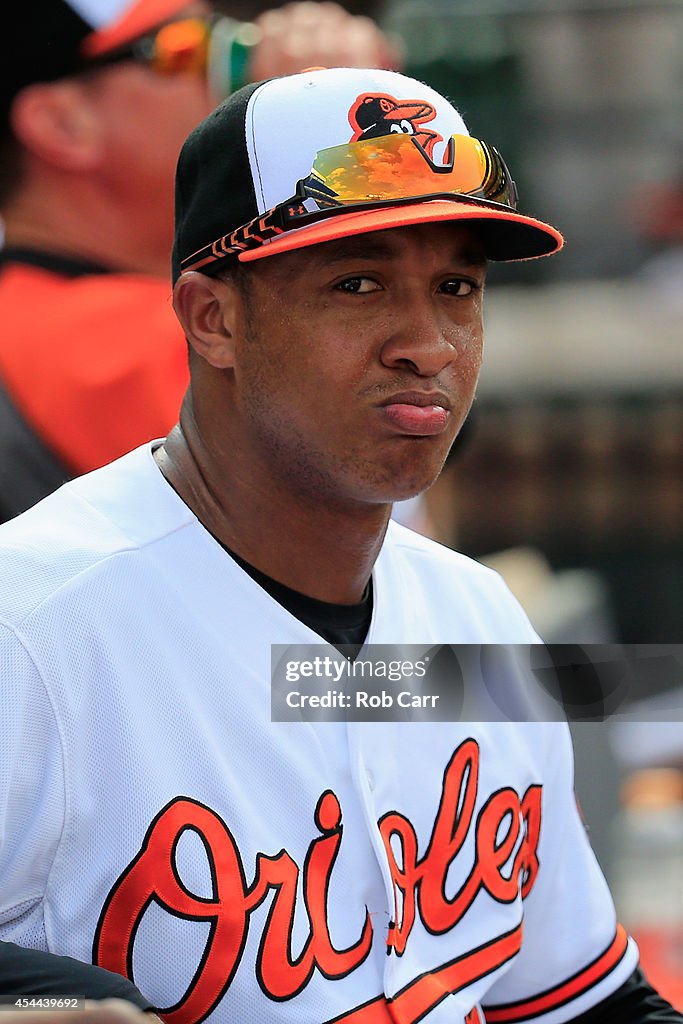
column 326, row 552
column 82, row 228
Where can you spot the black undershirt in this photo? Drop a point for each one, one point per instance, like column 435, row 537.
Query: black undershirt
column 345, row 626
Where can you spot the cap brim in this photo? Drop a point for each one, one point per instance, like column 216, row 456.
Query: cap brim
column 506, row 235
column 138, row 18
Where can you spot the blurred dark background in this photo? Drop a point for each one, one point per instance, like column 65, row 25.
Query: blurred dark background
column 577, row 446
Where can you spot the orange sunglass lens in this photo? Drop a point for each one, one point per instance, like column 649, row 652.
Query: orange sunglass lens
column 391, row 167
column 181, row 47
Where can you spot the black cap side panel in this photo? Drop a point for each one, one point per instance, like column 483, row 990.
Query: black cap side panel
column 214, row 184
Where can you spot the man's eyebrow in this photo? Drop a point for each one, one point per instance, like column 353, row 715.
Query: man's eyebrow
column 471, row 257
column 357, row 248
column 379, row 249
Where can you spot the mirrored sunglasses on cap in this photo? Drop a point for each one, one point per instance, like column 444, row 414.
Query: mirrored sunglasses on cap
column 391, row 170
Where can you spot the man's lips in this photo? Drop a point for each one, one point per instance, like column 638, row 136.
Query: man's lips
column 421, row 413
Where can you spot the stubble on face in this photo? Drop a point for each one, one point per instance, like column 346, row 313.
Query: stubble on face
column 283, row 380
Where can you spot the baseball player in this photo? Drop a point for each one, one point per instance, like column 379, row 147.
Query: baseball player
column 154, row 819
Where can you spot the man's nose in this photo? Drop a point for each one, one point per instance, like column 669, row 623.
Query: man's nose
column 422, row 338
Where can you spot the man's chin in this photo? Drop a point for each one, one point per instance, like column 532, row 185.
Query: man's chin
column 397, row 477
column 405, row 489
column 410, row 484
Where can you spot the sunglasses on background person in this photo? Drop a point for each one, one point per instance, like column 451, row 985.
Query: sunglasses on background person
column 215, row 46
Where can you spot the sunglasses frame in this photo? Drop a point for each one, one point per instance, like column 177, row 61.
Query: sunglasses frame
column 143, row 49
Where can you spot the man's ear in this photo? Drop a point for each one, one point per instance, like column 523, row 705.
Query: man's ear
column 57, row 122
column 211, row 314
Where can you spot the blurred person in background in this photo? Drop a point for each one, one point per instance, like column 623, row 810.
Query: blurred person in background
column 96, row 97
column 659, row 218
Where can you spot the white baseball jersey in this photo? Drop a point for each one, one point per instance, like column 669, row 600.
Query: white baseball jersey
column 154, row 818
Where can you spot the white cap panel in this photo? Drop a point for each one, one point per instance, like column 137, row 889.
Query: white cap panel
column 329, row 101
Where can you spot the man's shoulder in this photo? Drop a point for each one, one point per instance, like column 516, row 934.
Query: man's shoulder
column 119, row 509
column 458, row 596
column 404, row 543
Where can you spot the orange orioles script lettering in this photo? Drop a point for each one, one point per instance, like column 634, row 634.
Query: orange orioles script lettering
column 505, row 825
column 422, row 881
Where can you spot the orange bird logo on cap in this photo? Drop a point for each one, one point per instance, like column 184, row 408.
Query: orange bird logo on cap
column 376, row 114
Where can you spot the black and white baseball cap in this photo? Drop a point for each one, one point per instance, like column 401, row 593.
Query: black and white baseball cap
column 328, row 153
column 43, row 40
